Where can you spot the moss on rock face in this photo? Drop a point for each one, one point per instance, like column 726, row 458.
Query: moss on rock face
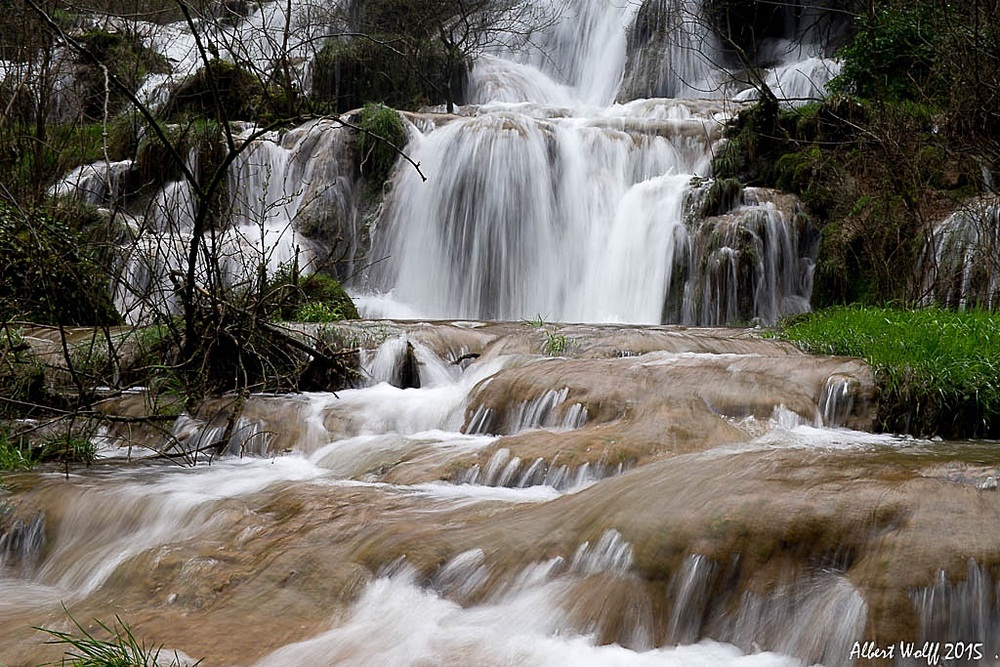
column 721, row 197
column 324, row 300
column 382, row 134
column 352, row 72
column 318, row 297
column 220, row 91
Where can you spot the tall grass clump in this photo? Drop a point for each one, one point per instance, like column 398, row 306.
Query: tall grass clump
column 15, row 453
column 938, row 371
column 122, row 649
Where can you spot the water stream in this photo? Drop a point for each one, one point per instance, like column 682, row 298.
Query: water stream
column 655, row 495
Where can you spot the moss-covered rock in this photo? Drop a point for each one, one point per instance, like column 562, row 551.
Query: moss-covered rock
column 382, row 135
column 389, row 69
column 221, row 91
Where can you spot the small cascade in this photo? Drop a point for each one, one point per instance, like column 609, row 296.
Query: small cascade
column 462, row 576
column 391, row 362
column 673, row 53
column 196, row 438
column 581, row 45
column 691, row 592
column 797, row 83
column 964, row 614
column 504, row 470
column 291, row 199
column 407, row 364
column 753, row 264
column 610, row 555
column 817, row 618
column 21, row 543
column 98, row 184
column 545, row 411
column 680, row 48
column 960, row 264
column 837, row 401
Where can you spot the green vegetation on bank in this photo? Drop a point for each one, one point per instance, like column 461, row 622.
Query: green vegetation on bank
column 51, row 271
column 938, row 371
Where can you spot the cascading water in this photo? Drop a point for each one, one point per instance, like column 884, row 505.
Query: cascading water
column 290, row 199
column 649, row 494
column 961, row 264
column 579, row 213
column 541, row 198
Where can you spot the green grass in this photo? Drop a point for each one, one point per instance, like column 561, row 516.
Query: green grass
column 555, row 345
column 15, row 454
column 122, row 649
column 319, row 311
column 938, row 371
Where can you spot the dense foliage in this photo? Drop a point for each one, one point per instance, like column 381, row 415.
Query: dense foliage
column 379, row 68
column 49, row 273
column 938, row 371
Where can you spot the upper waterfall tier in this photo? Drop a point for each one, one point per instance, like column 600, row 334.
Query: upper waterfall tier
column 543, row 197
column 527, row 212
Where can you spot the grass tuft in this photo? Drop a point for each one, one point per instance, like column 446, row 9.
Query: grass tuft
column 121, row 650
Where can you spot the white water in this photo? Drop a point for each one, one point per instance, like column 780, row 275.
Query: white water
column 276, row 187
column 548, row 200
column 383, row 455
column 544, row 197
column 960, row 263
column 396, row 623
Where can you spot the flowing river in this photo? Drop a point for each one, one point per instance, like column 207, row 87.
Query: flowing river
column 651, row 495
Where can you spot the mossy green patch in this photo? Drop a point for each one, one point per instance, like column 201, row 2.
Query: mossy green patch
column 382, row 135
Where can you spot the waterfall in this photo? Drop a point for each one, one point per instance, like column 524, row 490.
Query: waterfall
column 544, row 200
column 289, row 198
column 540, row 203
column 544, row 197
column 960, row 261
column 585, row 220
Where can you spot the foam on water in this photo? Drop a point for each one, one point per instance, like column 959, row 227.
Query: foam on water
column 396, row 622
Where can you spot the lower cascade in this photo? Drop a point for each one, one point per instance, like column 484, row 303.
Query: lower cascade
column 616, row 501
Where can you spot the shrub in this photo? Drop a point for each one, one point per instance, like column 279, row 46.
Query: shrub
column 314, row 298
column 48, row 273
column 892, row 56
column 349, row 73
column 15, row 452
column 219, row 91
